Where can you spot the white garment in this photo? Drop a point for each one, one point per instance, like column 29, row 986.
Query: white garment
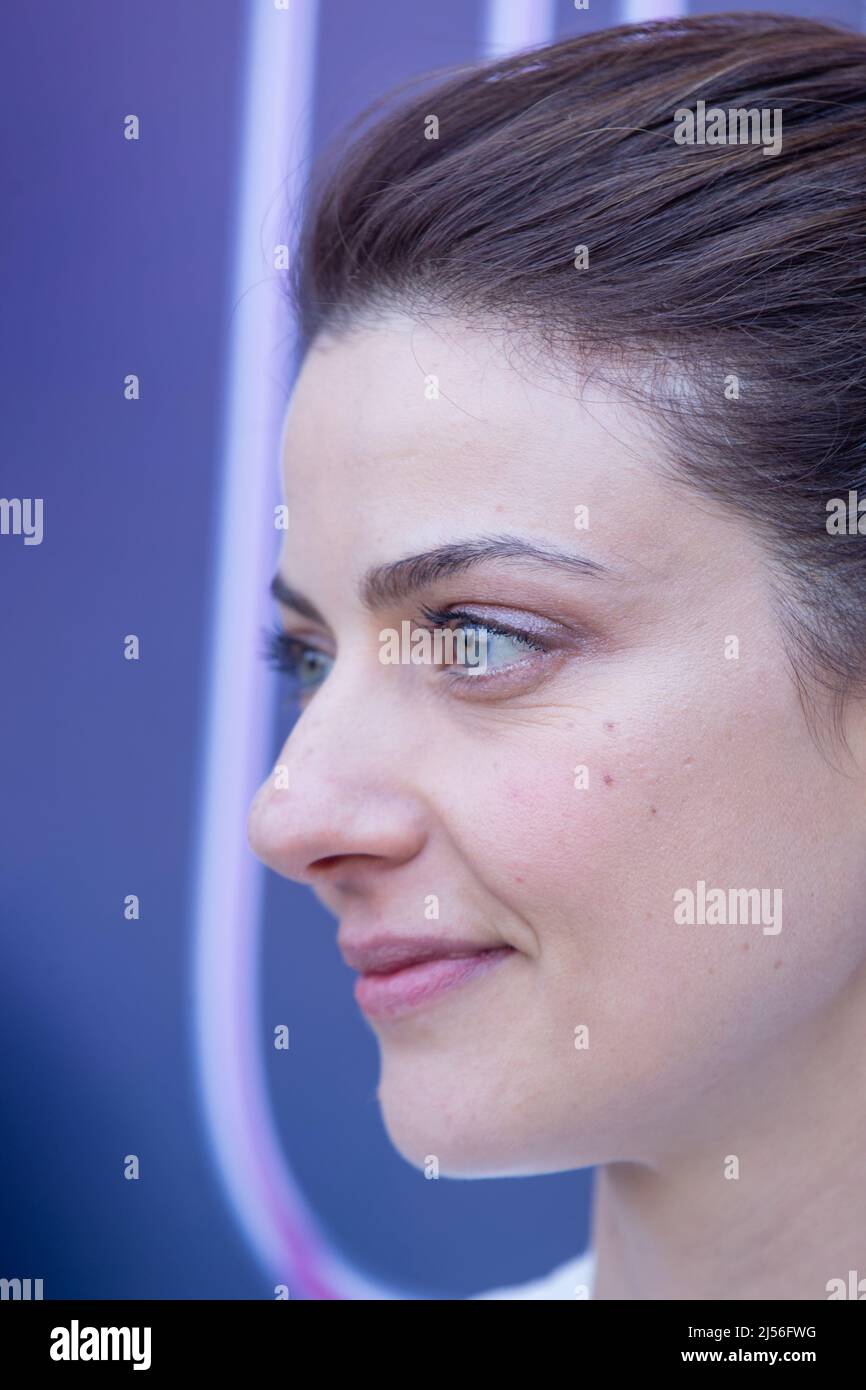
column 572, row 1280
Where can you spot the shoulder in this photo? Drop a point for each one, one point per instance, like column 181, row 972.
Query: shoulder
column 572, row 1280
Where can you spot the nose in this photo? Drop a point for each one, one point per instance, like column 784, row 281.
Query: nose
column 338, row 809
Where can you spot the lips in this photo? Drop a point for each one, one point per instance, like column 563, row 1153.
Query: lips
column 381, row 955
column 400, row 974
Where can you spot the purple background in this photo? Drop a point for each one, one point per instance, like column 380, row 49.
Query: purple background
column 117, row 258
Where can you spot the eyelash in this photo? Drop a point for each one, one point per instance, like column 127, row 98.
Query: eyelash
column 285, row 653
column 457, row 617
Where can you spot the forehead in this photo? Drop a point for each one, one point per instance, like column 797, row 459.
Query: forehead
column 420, row 412
column 405, row 436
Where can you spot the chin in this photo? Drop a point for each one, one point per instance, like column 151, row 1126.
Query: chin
column 434, row 1124
column 445, row 1128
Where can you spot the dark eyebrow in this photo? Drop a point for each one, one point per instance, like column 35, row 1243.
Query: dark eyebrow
column 291, row 598
column 388, row 584
column 385, row 585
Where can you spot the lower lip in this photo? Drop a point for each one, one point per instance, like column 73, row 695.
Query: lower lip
column 404, row 991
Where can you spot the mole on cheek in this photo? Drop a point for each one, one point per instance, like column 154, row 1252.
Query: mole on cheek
column 608, row 780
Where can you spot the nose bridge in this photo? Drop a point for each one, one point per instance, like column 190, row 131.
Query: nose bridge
column 341, row 785
column 335, row 739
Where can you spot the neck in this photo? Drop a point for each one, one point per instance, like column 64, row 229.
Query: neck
column 768, row 1199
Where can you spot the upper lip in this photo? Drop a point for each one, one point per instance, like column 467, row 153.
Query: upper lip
column 383, row 954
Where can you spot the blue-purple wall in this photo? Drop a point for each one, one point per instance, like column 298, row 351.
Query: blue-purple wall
column 116, row 259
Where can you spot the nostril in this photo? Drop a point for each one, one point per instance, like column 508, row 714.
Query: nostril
column 326, row 862
column 346, row 861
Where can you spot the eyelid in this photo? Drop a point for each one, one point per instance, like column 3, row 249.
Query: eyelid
column 547, row 646
column 278, row 643
column 307, row 635
column 527, row 626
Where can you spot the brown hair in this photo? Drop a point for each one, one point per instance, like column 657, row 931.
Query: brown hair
column 704, row 260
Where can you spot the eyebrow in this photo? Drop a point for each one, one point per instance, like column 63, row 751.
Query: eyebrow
column 385, row 585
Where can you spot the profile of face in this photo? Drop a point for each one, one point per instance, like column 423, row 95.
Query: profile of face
column 636, row 731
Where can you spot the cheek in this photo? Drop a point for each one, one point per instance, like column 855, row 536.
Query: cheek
column 589, row 856
column 574, row 835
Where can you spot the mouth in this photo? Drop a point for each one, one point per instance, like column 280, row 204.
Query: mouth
column 399, row 977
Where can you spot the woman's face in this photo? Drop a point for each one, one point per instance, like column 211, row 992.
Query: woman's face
column 641, row 734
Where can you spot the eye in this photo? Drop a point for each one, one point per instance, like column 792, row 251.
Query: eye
column 486, row 647
column 490, row 648
column 305, row 665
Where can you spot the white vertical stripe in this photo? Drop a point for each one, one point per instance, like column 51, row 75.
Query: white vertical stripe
column 512, row 25
column 637, row 11
column 235, row 752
